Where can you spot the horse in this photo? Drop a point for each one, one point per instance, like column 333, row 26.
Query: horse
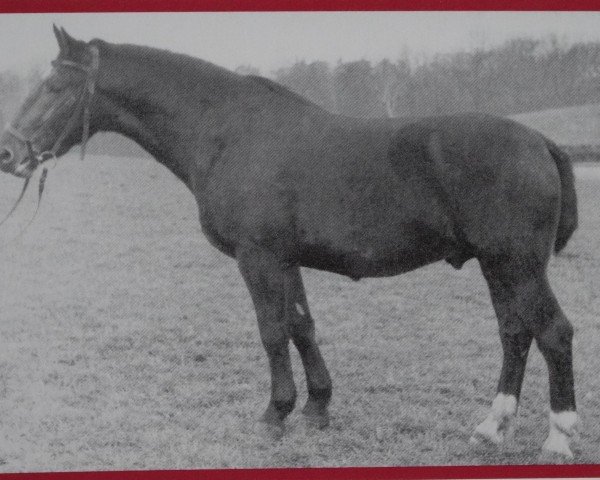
column 281, row 183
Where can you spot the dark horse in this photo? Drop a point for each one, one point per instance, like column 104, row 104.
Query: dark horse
column 282, row 184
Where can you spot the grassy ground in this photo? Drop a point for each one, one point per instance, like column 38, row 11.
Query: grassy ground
column 128, row 342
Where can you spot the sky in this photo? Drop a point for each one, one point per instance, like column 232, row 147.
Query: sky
column 270, row 41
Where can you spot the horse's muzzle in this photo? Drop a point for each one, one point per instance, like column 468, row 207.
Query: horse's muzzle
column 16, row 163
column 7, row 160
column 6, row 156
column 23, row 169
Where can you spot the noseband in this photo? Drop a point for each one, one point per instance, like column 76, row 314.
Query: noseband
column 83, row 106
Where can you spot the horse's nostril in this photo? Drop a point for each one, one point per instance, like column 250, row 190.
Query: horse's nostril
column 6, row 155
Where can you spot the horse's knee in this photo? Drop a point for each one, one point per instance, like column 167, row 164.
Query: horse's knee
column 302, row 330
column 301, row 320
column 275, row 343
column 303, row 337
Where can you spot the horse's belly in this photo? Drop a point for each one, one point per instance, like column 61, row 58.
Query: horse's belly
column 377, row 260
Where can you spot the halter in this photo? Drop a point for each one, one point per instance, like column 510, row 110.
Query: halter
column 83, row 105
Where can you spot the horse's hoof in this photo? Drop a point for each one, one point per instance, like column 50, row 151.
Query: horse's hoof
column 555, row 458
column 270, row 431
column 498, row 425
column 319, row 422
column 490, row 434
column 478, row 440
column 316, row 417
column 556, row 449
column 563, row 430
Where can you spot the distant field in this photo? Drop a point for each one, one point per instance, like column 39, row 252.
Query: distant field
column 583, row 153
column 578, row 125
column 128, row 342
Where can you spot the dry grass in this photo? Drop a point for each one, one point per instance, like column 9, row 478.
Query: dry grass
column 128, row 342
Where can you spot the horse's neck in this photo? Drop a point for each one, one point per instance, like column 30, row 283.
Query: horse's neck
column 164, row 107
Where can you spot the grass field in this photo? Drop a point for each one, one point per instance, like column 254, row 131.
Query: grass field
column 128, row 342
column 578, row 125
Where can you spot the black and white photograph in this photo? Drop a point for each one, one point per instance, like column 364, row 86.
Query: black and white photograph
column 299, row 239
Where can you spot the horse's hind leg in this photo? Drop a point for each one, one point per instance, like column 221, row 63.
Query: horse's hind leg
column 302, row 328
column 265, row 278
column 516, row 340
column 526, row 307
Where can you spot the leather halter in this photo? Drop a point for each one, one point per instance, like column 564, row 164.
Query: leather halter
column 83, row 106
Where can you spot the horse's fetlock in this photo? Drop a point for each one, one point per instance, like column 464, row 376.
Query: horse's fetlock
column 284, row 407
column 320, row 394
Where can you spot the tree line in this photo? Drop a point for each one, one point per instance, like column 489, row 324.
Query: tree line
column 521, row 75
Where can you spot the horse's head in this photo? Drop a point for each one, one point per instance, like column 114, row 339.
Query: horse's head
column 56, row 114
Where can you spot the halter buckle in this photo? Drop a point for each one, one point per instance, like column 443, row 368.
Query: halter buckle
column 47, row 155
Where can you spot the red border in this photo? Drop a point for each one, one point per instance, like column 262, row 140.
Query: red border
column 346, row 473
column 65, row 6
column 378, row 473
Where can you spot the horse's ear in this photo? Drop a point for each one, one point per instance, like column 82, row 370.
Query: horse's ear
column 66, row 43
column 60, row 38
column 67, row 37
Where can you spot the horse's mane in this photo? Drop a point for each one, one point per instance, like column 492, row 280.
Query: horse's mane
column 185, row 67
column 279, row 89
column 182, row 64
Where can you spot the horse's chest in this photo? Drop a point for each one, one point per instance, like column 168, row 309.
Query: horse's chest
column 214, row 232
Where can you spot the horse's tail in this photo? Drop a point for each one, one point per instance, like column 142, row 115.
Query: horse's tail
column 568, row 208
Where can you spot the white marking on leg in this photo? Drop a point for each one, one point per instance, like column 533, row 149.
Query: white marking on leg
column 300, row 309
column 497, row 424
column 563, row 429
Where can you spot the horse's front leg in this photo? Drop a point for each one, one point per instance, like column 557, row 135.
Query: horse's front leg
column 265, row 278
column 302, row 331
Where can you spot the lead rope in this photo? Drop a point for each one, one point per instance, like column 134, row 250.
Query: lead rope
column 25, row 185
column 41, row 186
column 12, row 210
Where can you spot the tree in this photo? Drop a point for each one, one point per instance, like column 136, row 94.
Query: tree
column 313, row 81
column 356, row 90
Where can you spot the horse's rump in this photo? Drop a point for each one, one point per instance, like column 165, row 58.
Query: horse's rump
column 497, row 180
